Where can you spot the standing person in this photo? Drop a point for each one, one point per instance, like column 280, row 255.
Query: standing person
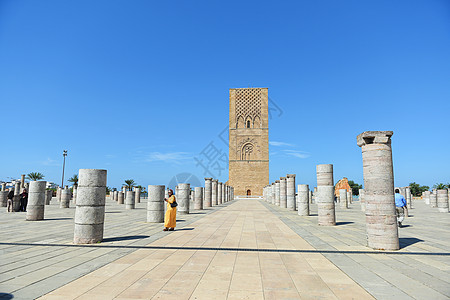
column 170, row 218
column 400, row 206
column 23, row 200
column 10, row 198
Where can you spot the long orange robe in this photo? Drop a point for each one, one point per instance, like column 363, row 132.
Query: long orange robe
column 170, row 219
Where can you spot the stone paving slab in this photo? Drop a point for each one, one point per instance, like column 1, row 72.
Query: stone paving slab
column 242, row 251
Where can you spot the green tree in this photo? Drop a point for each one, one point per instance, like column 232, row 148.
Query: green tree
column 74, row 180
column 355, row 187
column 417, row 189
column 441, row 186
column 34, row 176
column 129, row 183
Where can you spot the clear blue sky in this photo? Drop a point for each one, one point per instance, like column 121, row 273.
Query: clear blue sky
column 140, row 88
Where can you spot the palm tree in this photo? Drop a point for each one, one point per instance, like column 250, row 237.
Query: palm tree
column 74, row 180
column 34, row 176
column 129, row 183
column 440, row 186
column 141, row 187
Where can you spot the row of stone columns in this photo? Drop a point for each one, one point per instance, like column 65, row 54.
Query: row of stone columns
column 437, row 199
column 216, row 192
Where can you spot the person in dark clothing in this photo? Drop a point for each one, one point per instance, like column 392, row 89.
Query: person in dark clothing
column 23, row 200
column 10, row 198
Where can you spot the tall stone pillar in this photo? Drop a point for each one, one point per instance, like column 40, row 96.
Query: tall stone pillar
column 277, row 192
column 290, row 192
column 75, row 193
column 349, row 196
column 48, row 197
column 219, row 192
column 3, row 196
column 4, row 187
column 156, row 204
column 90, row 209
column 433, row 199
column 273, row 191
column 442, row 200
column 343, row 198
column 22, row 182
column 426, row 197
column 381, row 217
column 361, row 200
column 58, row 193
column 303, row 200
column 120, row 198
column 224, row 188
column 129, row 200
column 65, row 198
column 16, row 201
column 214, row 192
column 208, row 192
column 198, row 201
column 325, row 195
column 137, row 195
column 183, row 198
column 36, row 201
column 408, row 197
column 283, row 192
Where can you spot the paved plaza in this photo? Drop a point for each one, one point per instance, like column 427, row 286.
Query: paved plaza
column 244, row 249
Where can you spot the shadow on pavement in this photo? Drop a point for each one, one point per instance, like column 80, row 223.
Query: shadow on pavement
column 57, row 219
column 343, row 223
column 125, row 238
column 190, row 228
column 405, row 242
column 6, row 296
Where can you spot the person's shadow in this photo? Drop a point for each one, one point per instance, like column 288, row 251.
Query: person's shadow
column 405, row 242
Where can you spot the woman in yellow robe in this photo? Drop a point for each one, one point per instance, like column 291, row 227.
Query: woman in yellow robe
column 170, row 219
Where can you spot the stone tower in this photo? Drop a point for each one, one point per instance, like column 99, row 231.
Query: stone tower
column 249, row 140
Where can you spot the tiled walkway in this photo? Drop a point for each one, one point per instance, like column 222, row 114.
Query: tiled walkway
column 259, row 258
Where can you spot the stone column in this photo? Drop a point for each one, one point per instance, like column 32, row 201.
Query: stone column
column 75, row 192
column 48, row 197
column 129, row 200
column 198, row 201
column 224, row 188
column 277, row 192
column 116, row 196
column 4, row 187
column 208, row 192
column 203, row 197
column 58, row 193
column 325, row 195
column 442, row 201
column 303, row 200
column 3, row 198
column 219, row 192
column 183, row 198
column 65, row 198
column 214, row 192
column 310, row 197
column 36, row 201
column 408, row 197
column 22, row 182
column 349, row 197
column 155, row 204
column 290, row 191
column 120, row 198
column 426, row 197
column 137, row 195
column 343, row 200
column 283, row 192
column 16, row 201
column 90, row 209
column 381, row 217
column 433, row 199
column 361, row 200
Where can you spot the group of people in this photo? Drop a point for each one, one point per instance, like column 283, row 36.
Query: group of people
column 23, row 200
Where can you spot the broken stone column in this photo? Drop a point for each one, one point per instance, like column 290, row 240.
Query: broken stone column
column 58, row 193
column 3, row 196
column 283, row 192
column 90, row 209
column 183, row 198
column 361, row 200
column 48, row 197
column 214, row 192
column 4, row 187
column 22, row 182
column 433, row 199
column 219, row 192
column 442, row 200
column 75, row 192
column 129, row 200
column 408, row 197
column 120, row 198
column 381, row 217
column 325, row 195
column 198, row 201
column 343, row 198
column 224, row 191
column 277, row 192
column 137, row 195
column 426, row 197
column 208, row 192
column 36, row 201
column 303, row 200
column 156, row 204
column 290, row 192
column 203, row 197
column 16, row 201
column 65, row 198
column 273, row 190
column 349, row 196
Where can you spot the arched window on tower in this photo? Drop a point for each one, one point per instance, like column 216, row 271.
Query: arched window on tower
column 248, row 124
column 247, row 151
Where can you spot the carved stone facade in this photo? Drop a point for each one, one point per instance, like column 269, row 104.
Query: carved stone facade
column 249, row 140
